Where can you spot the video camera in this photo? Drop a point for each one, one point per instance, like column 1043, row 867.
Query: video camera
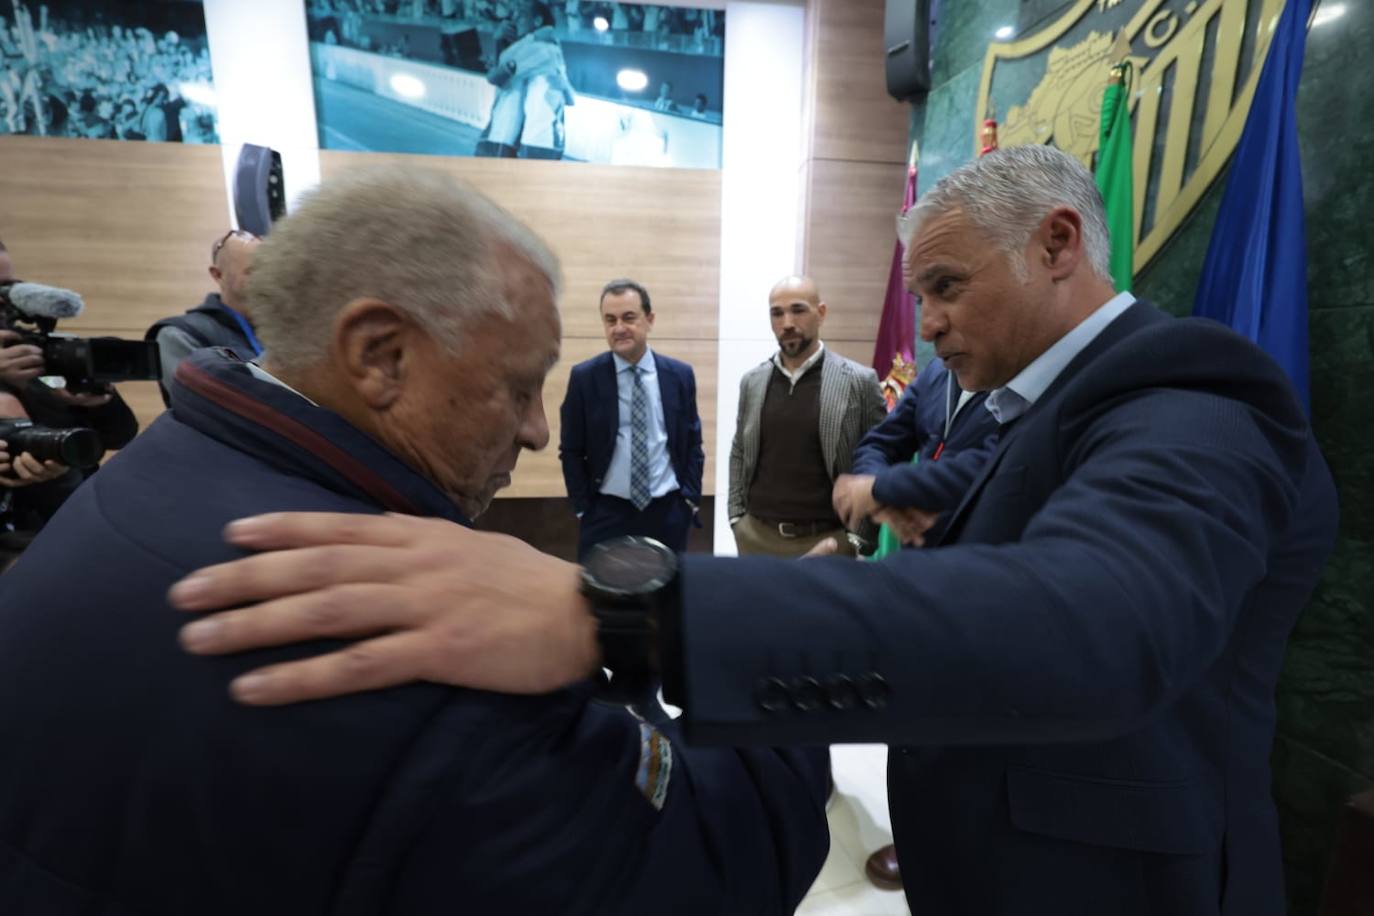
column 76, row 448
column 87, row 363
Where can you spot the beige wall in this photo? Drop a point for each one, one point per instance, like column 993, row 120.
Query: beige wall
column 855, row 164
column 129, row 226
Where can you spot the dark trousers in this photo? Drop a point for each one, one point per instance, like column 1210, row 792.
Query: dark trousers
column 665, row 519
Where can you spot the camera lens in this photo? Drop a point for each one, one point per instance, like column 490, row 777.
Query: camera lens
column 77, row 448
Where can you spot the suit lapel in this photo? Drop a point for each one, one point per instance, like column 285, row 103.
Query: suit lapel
column 756, row 387
column 1004, row 436
column 668, row 392
column 834, row 381
column 1134, row 318
column 607, row 399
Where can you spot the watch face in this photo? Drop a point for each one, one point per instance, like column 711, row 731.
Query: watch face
column 631, row 565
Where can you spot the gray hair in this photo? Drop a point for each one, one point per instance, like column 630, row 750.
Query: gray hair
column 414, row 238
column 1008, row 192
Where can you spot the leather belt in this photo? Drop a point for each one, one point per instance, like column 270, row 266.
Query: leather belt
column 801, row 529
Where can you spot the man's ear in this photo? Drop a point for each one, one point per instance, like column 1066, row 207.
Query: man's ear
column 821, row 310
column 215, row 274
column 1060, row 240
column 371, row 342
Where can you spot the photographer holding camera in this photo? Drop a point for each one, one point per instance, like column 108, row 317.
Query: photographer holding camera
column 37, row 488
column 21, row 469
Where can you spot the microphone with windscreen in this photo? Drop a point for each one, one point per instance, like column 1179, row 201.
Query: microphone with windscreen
column 88, row 364
column 35, row 300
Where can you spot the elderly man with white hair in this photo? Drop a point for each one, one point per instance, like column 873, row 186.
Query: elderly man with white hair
column 409, row 325
column 1077, row 683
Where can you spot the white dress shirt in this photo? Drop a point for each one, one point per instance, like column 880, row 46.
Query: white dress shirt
column 1016, row 396
column 662, row 480
column 794, row 375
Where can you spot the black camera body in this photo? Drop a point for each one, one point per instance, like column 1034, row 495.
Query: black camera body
column 77, row 447
column 88, row 364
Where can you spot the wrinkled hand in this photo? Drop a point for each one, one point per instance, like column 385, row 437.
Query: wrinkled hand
column 426, row 599
column 853, row 499
column 83, row 399
column 910, row 525
column 19, row 363
column 26, row 470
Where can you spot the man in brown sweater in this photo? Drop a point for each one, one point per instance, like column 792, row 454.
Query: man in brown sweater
column 801, row 413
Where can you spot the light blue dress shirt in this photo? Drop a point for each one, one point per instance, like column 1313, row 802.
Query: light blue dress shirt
column 662, row 480
column 1016, row 396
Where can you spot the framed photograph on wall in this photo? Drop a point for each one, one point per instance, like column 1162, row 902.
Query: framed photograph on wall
column 113, row 70
column 613, row 83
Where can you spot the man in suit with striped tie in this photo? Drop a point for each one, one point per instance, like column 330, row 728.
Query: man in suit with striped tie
column 630, row 441
column 801, row 414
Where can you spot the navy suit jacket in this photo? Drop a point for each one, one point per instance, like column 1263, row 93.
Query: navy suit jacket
column 132, row 785
column 1079, row 682
column 590, row 419
column 916, row 426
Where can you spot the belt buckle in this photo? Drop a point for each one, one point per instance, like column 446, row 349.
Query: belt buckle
column 788, row 530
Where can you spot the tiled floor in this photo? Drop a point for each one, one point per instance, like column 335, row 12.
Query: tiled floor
column 859, row 824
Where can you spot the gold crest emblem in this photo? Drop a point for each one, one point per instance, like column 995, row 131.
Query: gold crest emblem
column 1198, row 62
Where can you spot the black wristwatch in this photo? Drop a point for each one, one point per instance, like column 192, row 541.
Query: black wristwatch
column 629, row 580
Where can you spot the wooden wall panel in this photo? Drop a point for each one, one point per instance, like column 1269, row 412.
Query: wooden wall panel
column 852, row 222
column 127, row 225
column 660, row 226
column 852, row 178
column 854, row 118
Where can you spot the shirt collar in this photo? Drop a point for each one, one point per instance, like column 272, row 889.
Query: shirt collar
column 1018, row 395
column 262, row 374
column 793, row 375
column 646, row 362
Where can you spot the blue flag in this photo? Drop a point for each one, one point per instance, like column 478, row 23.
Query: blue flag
column 1255, row 276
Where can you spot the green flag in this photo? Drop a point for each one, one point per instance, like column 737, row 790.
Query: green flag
column 1114, row 174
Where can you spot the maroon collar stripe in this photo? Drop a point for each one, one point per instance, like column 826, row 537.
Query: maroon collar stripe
column 353, row 470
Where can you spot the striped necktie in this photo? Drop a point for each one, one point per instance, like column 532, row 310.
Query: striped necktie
column 639, row 441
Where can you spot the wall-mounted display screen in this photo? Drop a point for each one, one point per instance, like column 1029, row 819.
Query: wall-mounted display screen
column 615, row 83
column 113, row 70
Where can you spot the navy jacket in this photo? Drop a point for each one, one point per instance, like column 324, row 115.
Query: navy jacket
column 947, row 465
column 590, row 419
column 1079, row 683
column 132, row 785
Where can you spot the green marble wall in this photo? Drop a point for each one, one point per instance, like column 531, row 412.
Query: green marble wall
column 1325, row 749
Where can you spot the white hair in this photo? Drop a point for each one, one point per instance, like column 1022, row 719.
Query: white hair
column 414, row 238
column 1006, row 194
